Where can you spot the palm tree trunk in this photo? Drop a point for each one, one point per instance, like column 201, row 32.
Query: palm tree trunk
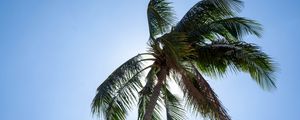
column 161, row 76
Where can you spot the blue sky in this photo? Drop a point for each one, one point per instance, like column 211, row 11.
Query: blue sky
column 55, row 53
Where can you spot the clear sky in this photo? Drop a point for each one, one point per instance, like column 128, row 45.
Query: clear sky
column 55, row 53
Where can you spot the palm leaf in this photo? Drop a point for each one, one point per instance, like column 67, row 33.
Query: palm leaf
column 200, row 97
column 173, row 105
column 145, row 95
column 118, row 92
column 143, row 103
column 206, row 11
column 160, row 17
column 233, row 29
column 215, row 58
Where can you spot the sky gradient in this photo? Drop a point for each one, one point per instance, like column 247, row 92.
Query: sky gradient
column 55, row 53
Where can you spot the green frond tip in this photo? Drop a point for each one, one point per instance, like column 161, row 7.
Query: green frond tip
column 207, row 11
column 160, row 17
column 227, row 5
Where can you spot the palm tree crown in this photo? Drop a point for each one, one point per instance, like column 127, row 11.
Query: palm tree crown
column 206, row 41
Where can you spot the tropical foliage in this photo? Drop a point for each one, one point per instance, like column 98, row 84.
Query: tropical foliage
column 207, row 41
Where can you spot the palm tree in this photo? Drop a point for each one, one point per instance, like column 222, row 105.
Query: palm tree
column 207, row 41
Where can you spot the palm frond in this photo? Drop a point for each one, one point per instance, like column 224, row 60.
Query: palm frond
column 173, row 105
column 215, row 58
column 142, row 107
column 118, row 92
column 207, row 11
column 156, row 93
column 160, row 17
column 227, row 5
column 233, row 29
column 145, row 95
column 171, row 50
column 200, row 97
column 176, row 48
